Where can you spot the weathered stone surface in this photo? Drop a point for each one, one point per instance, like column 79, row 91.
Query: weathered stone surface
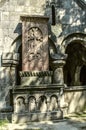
column 36, row 78
column 10, row 59
column 35, row 44
column 70, row 19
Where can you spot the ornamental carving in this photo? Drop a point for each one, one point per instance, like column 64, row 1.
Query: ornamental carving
column 34, row 50
column 81, row 3
column 35, row 54
column 33, row 44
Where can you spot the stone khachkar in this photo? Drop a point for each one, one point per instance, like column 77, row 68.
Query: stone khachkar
column 35, row 57
column 37, row 98
column 35, row 44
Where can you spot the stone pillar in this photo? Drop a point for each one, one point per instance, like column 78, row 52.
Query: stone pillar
column 58, row 71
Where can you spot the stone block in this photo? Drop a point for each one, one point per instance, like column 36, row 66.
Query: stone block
column 14, row 16
column 36, row 78
column 10, row 59
column 31, row 117
column 35, row 52
column 75, row 99
column 5, row 16
column 5, row 24
column 19, row 8
column 21, row 3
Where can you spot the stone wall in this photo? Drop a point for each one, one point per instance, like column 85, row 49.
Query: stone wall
column 73, row 100
column 70, row 18
column 10, row 39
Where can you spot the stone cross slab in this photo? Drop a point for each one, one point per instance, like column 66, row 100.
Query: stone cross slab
column 35, row 54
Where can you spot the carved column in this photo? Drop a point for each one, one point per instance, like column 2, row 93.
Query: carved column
column 58, row 73
column 58, row 62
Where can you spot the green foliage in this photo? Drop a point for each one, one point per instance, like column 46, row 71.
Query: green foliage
column 3, row 122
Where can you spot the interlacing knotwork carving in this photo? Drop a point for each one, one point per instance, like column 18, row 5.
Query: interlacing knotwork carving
column 33, row 44
column 34, row 49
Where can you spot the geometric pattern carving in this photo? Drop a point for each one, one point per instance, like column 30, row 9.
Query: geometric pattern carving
column 40, row 73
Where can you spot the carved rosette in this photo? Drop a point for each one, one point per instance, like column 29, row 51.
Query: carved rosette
column 35, row 44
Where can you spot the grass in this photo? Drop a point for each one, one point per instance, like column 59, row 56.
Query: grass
column 3, row 122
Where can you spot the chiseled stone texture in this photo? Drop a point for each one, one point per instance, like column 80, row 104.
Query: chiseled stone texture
column 70, row 18
column 10, row 28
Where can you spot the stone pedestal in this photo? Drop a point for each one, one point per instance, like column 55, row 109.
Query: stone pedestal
column 57, row 64
column 37, row 103
column 37, row 99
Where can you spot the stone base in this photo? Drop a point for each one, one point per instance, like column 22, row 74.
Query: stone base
column 34, row 117
column 37, row 104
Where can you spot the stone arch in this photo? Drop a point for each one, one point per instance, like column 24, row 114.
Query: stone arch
column 75, row 47
column 42, row 103
column 32, row 104
column 73, row 37
column 54, row 96
column 20, row 104
column 53, row 103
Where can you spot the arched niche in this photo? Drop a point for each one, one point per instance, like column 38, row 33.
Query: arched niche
column 32, row 104
column 75, row 48
column 42, row 103
column 73, row 37
column 53, row 103
column 20, row 105
column 83, row 75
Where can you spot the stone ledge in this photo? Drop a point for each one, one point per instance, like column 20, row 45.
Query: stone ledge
column 36, row 117
column 10, row 59
column 7, row 109
column 54, row 87
column 74, row 88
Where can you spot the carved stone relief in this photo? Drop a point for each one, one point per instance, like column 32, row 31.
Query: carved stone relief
column 32, row 104
column 35, row 44
column 42, row 104
column 20, row 105
column 53, row 103
column 34, row 49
